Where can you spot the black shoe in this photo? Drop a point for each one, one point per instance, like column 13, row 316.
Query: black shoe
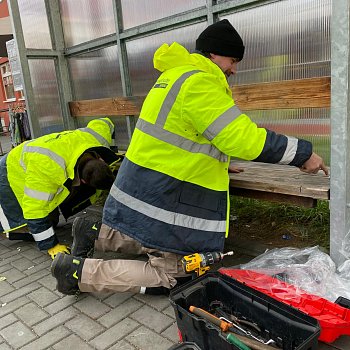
column 21, row 236
column 157, row 291
column 84, row 232
column 67, row 271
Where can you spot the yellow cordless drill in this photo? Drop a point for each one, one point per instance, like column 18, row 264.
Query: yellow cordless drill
column 199, row 263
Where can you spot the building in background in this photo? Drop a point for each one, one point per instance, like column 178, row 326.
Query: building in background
column 9, row 98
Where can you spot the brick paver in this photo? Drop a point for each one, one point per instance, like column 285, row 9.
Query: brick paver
column 34, row 315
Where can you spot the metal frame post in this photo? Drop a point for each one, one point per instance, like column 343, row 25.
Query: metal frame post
column 123, row 62
column 340, row 142
column 61, row 63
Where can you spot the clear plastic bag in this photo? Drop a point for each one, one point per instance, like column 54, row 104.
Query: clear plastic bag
column 308, row 269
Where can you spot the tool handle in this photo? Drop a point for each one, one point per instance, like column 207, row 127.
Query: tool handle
column 254, row 344
column 233, row 339
column 224, row 326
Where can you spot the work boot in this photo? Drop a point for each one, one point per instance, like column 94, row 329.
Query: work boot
column 20, row 236
column 84, row 232
column 67, row 270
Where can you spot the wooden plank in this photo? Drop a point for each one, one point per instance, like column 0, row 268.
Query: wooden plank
column 117, row 106
column 281, row 179
column 306, row 202
column 301, row 93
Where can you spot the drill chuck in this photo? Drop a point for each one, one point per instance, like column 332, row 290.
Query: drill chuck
column 210, row 258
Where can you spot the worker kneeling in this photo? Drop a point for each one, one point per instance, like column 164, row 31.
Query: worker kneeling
column 59, row 172
column 170, row 196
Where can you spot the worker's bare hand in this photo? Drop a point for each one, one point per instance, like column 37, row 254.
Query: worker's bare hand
column 314, row 164
column 234, row 169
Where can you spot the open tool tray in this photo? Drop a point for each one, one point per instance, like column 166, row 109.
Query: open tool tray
column 290, row 328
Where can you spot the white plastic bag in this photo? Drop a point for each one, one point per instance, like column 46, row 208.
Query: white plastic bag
column 308, row 269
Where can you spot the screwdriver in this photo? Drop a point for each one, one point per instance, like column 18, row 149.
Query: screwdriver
column 249, row 343
column 224, row 326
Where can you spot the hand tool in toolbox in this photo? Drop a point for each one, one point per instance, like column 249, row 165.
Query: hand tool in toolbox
column 243, row 341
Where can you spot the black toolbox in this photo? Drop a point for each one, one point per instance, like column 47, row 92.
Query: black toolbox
column 289, row 327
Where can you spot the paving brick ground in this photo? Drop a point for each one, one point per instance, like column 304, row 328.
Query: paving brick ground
column 34, row 315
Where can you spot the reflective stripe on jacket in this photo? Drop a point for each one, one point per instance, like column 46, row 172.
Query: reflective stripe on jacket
column 171, row 190
column 38, row 169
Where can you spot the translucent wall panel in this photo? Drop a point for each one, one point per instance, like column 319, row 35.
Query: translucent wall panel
column 312, row 124
column 45, row 88
column 34, row 24
column 141, row 51
column 288, row 40
column 84, row 20
column 97, row 75
column 139, row 12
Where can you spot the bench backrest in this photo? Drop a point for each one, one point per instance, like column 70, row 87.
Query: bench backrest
column 300, row 93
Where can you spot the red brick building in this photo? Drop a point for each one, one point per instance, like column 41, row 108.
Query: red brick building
column 8, row 96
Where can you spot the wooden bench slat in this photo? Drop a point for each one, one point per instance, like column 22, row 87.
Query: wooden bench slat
column 280, row 179
column 307, row 202
column 300, row 93
column 116, row 106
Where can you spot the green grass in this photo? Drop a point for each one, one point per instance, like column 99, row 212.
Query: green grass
column 307, row 226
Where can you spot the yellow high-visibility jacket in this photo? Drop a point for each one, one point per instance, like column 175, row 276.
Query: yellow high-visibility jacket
column 38, row 170
column 172, row 188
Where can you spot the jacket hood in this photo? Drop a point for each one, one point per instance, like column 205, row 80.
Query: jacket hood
column 104, row 127
column 168, row 57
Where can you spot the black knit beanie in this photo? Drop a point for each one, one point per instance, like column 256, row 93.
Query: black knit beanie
column 221, row 39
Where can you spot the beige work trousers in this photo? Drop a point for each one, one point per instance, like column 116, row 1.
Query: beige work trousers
column 120, row 275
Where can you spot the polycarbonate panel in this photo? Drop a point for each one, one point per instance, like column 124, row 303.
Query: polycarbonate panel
column 96, row 74
column 141, row 51
column 45, row 89
column 34, row 24
column 288, row 40
column 312, row 124
column 84, row 20
column 140, row 12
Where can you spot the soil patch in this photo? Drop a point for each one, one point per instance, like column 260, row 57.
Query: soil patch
column 274, row 225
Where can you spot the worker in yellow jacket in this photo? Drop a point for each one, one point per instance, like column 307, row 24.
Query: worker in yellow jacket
column 59, row 170
column 170, row 197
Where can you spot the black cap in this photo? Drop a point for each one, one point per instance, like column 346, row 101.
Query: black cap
column 221, row 38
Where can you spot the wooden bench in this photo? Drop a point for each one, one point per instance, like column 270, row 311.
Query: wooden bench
column 279, row 183
column 259, row 180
